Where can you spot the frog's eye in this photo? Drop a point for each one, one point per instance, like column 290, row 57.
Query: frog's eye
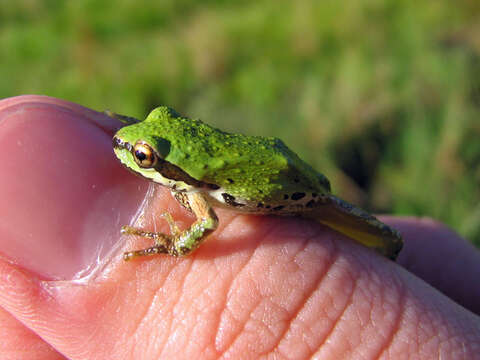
column 144, row 155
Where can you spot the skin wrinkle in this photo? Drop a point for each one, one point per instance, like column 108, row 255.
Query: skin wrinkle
column 240, row 331
column 188, row 335
column 177, row 300
column 310, row 352
column 315, row 346
column 261, row 325
column 145, row 320
column 241, row 272
column 372, row 305
column 279, row 337
column 308, row 292
column 367, row 291
column 283, row 319
column 222, row 353
column 435, row 338
column 249, row 320
column 282, row 307
column 207, row 348
column 141, row 319
column 201, row 310
column 449, row 348
column 307, row 332
column 225, row 298
column 169, row 320
column 444, row 343
column 339, row 317
column 252, row 320
column 420, row 311
column 398, row 322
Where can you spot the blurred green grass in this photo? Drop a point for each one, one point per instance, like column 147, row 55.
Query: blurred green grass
column 383, row 96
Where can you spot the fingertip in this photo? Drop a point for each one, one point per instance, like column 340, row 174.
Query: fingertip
column 441, row 257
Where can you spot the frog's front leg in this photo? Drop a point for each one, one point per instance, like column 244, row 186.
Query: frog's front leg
column 180, row 243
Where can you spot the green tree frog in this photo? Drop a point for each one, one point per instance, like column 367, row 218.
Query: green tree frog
column 205, row 168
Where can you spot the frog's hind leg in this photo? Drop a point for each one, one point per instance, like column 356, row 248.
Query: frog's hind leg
column 359, row 225
column 180, row 243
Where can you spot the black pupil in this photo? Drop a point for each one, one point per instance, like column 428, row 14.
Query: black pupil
column 140, row 155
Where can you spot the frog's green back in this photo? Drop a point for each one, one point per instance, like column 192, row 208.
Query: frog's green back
column 252, row 167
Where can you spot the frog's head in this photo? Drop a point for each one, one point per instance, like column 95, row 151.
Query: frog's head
column 151, row 149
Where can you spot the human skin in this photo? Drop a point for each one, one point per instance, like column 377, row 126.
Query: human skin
column 260, row 286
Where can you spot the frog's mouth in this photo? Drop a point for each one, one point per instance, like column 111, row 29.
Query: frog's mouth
column 163, row 172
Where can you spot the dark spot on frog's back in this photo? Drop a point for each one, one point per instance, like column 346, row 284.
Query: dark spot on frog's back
column 230, row 200
column 278, row 208
column 298, row 196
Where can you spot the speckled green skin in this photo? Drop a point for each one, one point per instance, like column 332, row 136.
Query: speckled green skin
column 250, row 167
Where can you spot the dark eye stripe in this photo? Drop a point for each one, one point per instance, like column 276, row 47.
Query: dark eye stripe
column 120, row 144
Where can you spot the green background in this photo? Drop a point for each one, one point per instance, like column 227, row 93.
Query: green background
column 383, row 96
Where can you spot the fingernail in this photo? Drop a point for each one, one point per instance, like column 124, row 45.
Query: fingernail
column 63, row 195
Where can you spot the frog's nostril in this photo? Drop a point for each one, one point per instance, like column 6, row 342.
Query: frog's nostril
column 117, row 142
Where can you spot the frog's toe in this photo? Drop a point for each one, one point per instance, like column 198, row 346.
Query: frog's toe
column 174, row 230
column 154, row 250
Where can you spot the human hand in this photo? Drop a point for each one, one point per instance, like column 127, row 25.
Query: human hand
column 259, row 286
